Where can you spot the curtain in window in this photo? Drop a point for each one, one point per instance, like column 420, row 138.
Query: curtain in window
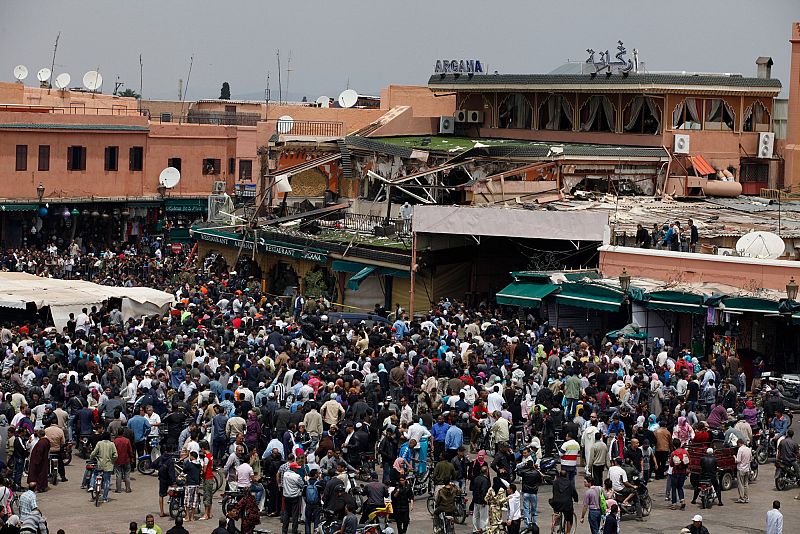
column 651, row 105
column 594, row 106
column 567, row 109
column 608, row 109
column 691, row 107
column 636, row 109
column 677, row 116
column 553, row 112
column 713, row 109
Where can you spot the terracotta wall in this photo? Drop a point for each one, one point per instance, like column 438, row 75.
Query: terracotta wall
column 420, row 98
column 745, row 273
column 92, row 103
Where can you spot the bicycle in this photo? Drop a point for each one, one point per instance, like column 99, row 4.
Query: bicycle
column 460, row 515
column 558, row 525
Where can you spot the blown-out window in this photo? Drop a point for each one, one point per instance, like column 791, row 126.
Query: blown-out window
column 719, row 115
column 686, row 115
column 515, row 111
column 598, row 114
column 642, row 115
column 756, row 118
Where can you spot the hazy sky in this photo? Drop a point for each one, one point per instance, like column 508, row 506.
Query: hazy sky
column 373, row 43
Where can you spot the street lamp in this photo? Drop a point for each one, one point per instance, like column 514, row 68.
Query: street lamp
column 162, row 190
column 40, row 191
column 625, row 282
column 791, row 290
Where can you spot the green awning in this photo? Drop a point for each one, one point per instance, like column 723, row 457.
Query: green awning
column 19, row 207
column 530, row 275
column 590, row 296
column 355, row 281
column 750, row 305
column 186, row 204
column 180, row 235
column 143, row 204
column 675, row 301
column 344, row 266
column 524, row 294
column 577, row 277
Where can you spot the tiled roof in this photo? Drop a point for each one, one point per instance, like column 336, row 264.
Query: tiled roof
column 362, row 143
column 634, row 80
column 83, row 127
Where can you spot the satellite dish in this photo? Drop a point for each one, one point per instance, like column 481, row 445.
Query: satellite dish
column 62, row 80
column 20, row 72
column 348, row 98
column 169, row 177
column 324, row 102
column 285, row 124
column 282, row 183
column 92, row 80
column 763, row 245
column 43, row 75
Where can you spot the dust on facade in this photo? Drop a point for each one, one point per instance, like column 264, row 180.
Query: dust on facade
column 444, row 189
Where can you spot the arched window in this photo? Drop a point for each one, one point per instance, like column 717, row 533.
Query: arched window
column 719, row 115
column 756, row 118
column 515, row 111
column 598, row 114
column 642, row 115
column 686, row 115
column 555, row 113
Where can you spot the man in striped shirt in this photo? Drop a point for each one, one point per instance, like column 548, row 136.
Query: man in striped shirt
column 570, row 451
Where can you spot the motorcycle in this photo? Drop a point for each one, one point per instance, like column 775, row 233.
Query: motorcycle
column 765, row 448
column 785, row 475
column 548, row 467
column 708, row 494
column 230, row 499
column 643, row 495
column 84, row 447
column 95, row 482
column 68, row 446
column 53, row 474
column 144, row 463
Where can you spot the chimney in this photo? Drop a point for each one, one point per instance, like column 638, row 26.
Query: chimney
column 764, row 67
column 791, row 152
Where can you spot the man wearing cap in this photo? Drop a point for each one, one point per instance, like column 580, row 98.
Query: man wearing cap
column 697, row 525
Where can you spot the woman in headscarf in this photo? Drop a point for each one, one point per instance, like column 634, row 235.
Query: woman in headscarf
column 683, row 431
column 655, row 403
column 474, row 468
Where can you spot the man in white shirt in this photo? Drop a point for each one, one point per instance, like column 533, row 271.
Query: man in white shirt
column 494, row 402
column 775, row 519
column 514, row 510
column 618, row 476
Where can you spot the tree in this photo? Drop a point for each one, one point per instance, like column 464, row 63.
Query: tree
column 225, row 93
column 131, row 93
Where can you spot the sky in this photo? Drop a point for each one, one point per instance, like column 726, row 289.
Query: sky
column 369, row 44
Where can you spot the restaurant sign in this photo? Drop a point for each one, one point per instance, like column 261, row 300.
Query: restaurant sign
column 458, row 66
column 262, row 245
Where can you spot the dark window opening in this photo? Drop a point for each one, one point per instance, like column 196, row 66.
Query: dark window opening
column 136, row 158
column 246, row 169
column 598, row 114
column 111, row 158
column 211, row 166
column 756, row 118
column 515, row 112
column 44, row 157
column 22, row 157
column 719, row 115
column 686, row 115
column 555, row 113
column 174, row 162
column 76, row 158
column 642, row 115
column 231, row 166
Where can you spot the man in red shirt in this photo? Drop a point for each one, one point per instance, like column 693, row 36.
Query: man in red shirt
column 207, row 461
column 679, row 459
column 122, row 466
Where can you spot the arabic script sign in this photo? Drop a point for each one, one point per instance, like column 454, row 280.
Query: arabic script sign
column 262, row 245
column 459, row 66
column 601, row 61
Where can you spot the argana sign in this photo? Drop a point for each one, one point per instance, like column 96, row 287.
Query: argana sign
column 460, row 66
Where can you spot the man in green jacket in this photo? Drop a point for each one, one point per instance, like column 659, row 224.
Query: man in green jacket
column 106, row 454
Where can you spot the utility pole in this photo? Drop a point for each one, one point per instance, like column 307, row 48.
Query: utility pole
column 288, row 72
column 280, row 87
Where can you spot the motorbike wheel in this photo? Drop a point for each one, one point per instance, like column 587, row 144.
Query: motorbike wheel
column 218, row 479
column 704, row 502
column 174, row 507
column 727, row 482
column 430, row 504
column 781, row 483
column 359, row 502
column 753, row 476
column 647, row 506
column 461, row 512
column 145, row 466
column 762, row 455
column 68, row 457
column 97, row 497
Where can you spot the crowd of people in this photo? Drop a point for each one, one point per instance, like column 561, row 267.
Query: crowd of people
column 287, row 403
column 669, row 236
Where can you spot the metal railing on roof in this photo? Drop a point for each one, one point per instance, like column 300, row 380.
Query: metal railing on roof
column 307, row 128
column 75, row 108
column 779, row 194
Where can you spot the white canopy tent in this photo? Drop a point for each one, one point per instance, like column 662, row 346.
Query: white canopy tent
column 70, row 296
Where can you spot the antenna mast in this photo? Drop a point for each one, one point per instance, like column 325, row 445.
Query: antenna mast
column 53, row 63
column 280, row 86
column 141, row 78
column 288, row 71
column 186, row 88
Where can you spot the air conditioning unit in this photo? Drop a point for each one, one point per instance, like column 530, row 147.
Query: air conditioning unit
column 219, row 187
column 447, row 125
column 461, row 115
column 166, row 117
column 475, row 116
column 681, row 144
column 766, row 143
